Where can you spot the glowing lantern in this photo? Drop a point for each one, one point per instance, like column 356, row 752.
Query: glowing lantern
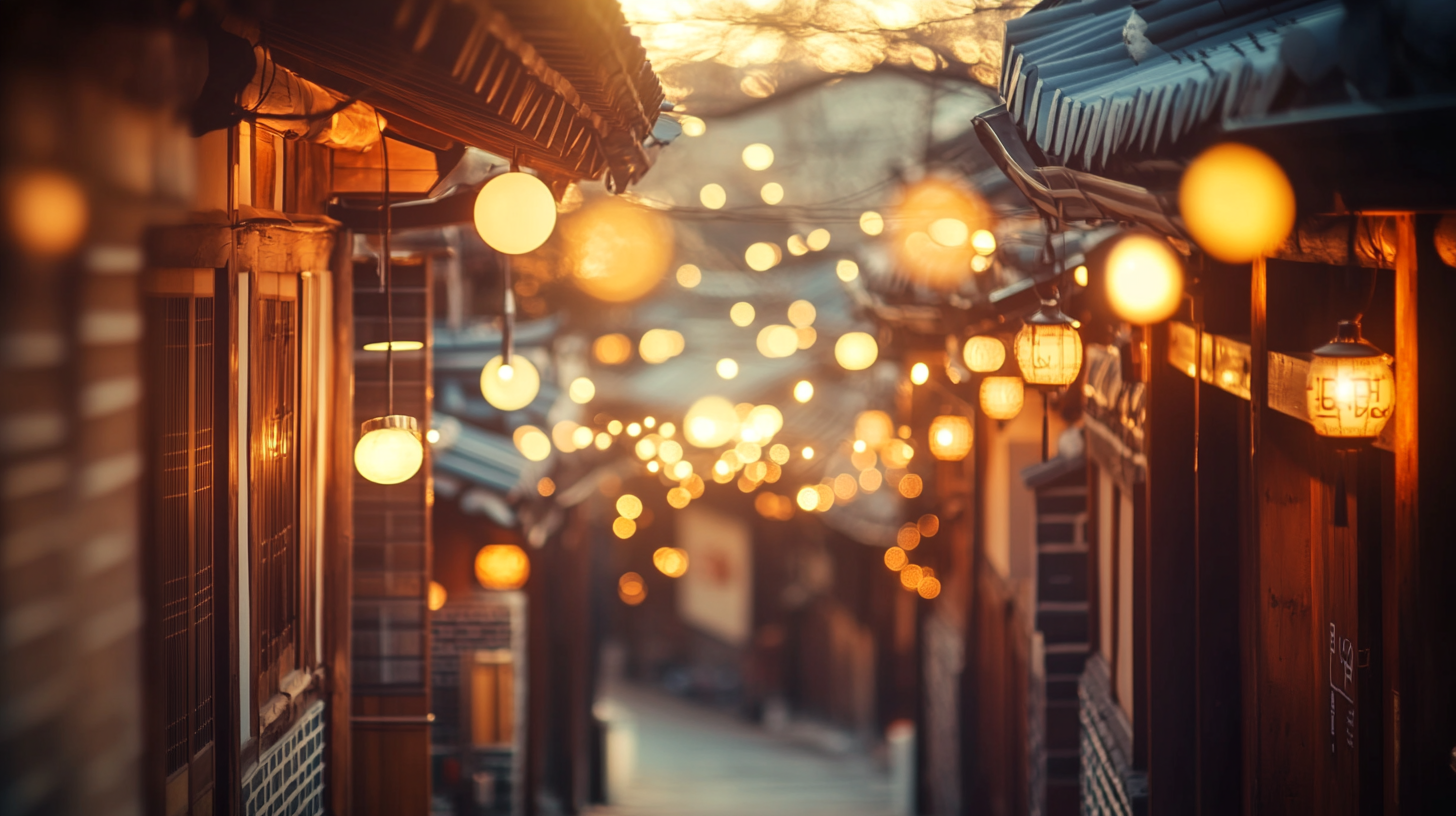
column 509, row 387
column 710, row 422
column 1002, row 397
column 1144, row 279
column 1048, row 348
column 984, row 354
column 515, row 213
column 950, row 438
column 1236, row 202
column 436, row 597
column 617, row 251
column 389, row 450
column 1350, row 390
column 502, row 566
column 856, row 351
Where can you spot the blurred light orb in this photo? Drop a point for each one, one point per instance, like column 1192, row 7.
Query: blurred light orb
column 612, row 349
column 870, row 480
column 615, row 427
column 846, row 270
column 692, row 126
column 807, row 498
column 533, row 443
column 545, row 486
column 581, row 390
column 929, row 587
column 437, row 596
column 951, row 232
column 818, row 239
column 646, row 449
column 671, row 561
column 631, row 589
column 624, row 528
column 1080, row 275
column 772, row 193
column 1002, row 397
column 432, row 436
column 896, row 559
column 582, row 437
column 807, row 453
column 618, row 252
column 678, row 498
column 908, row 536
column 796, row 245
column 46, row 212
column 634, row 428
column 779, row 454
column 389, row 450
column 682, row 469
column 1237, row 202
column 765, row 420
column 629, row 506
column 776, row 341
column 515, row 213
column 713, row 196
column 1048, row 349
column 758, row 156
column 860, row 446
column 396, row 345
column 762, row 256
column 826, row 497
column 984, row 354
column 603, row 441
column 502, row 566
column 919, row 373
column 802, row 313
column 910, row 575
column 980, row 263
column 660, row 345
column 874, row 428
column 653, row 466
column 845, row 487
column 871, row 222
column 928, row 525
column 856, row 351
column 689, row 276
column 510, row 388
column 1144, row 279
column 727, row 368
column 710, row 422
column 983, row 242
column 803, row 391
column 950, row 437
column 670, row 452
column 910, row 485
column 742, row 314
column 668, row 430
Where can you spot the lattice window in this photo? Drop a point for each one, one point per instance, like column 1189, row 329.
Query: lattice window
column 275, row 489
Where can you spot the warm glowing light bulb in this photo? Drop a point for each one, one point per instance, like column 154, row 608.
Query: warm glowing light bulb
column 713, row 196
column 515, row 213
column 437, row 596
column 509, row 387
column 983, row 242
column 856, row 351
column 727, row 368
column 1350, row 388
column 919, row 373
column 1080, row 275
column 950, row 437
column 871, row 222
column 951, row 232
column 1144, row 279
column 389, row 450
column 1237, row 202
column 1048, row 348
column 807, row 453
column 803, row 391
column 846, row 270
column 758, row 157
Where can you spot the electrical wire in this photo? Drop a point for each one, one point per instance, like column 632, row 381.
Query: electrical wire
column 388, row 281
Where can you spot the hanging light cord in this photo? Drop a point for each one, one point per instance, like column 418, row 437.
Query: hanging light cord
column 388, row 276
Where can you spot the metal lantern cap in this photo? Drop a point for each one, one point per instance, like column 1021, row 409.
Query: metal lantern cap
column 1049, row 315
column 1348, row 343
column 401, row 421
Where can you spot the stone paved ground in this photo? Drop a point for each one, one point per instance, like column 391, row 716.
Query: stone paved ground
column 693, row 761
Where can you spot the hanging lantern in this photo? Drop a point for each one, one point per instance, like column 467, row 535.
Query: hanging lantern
column 950, row 437
column 1144, row 279
column 389, row 450
column 856, row 351
column 1048, row 348
column 515, row 213
column 1002, row 397
column 502, row 566
column 1350, row 390
column 510, row 387
column 984, row 354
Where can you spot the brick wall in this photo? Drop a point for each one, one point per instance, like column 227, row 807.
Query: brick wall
column 289, row 777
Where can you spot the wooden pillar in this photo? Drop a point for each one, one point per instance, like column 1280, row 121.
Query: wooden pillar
column 1420, row 606
column 339, row 528
column 1171, row 584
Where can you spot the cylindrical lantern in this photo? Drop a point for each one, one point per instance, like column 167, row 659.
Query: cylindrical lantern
column 856, row 351
column 1048, row 348
column 1002, row 397
column 950, row 437
column 502, row 566
column 1144, row 279
column 515, row 213
column 389, row 450
column 984, row 354
column 509, row 388
column 1350, row 390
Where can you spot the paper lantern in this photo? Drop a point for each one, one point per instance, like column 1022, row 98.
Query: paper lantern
column 856, row 351
column 1350, row 390
column 509, row 388
column 1237, row 202
column 389, row 450
column 950, row 437
column 515, row 213
column 1002, row 397
column 1144, row 279
column 502, row 566
column 984, row 354
column 1048, row 348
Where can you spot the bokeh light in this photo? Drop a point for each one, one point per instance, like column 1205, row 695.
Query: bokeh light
column 919, row 373
column 532, row 442
column 772, row 193
column 807, row 498
column 1237, row 202
column 689, row 276
column 502, row 566
column 1144, row 279
column 510, row 388
column 617, row 252
column 713, row 196
column 802, row 313
column 671, row 561
column 660, row 345
column 896, row 559
column 910, row 576
column 846, row 270
column 762, row 256
column 710, row 422
column 803, row 391
column 46, row 212
column 930, row 229
column 741, row 314
column 545, row 486
column 612, row 349
column 777, row 341
column 908, row 537
column 910, row 485
column 871, row 222
column 624, row 528
column 582, row 390
column 818, row 239
column 856, row 351
column 758, row 156
column 928, row 525
column 727, row 368
column 437, row 596
column 874, row 427
column 515, row 213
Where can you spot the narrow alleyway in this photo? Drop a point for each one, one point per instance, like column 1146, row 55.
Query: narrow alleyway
column 693, row 761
